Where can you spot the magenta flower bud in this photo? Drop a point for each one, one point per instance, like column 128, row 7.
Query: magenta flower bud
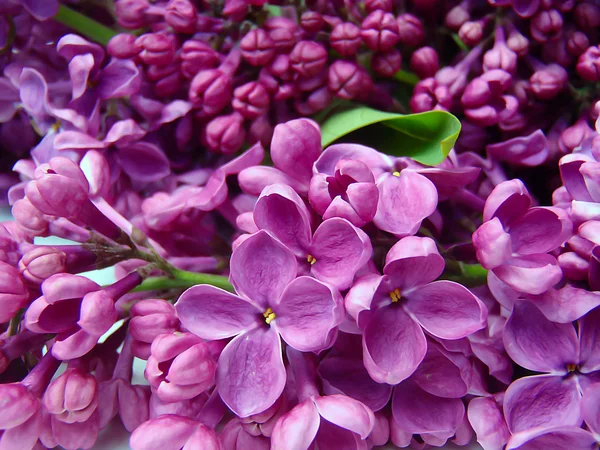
column 283, row 32
column 345, row 79
column 225, row 134
column 577, row 43
column 429, row 95
column 181, row 15
column 149, row 319
column 261, row 130
column 308, row 58
column 196, row 56
column 500, row 56
column 157, row 48
column 210, row 91
column 573, row 136
column 548, row 82
column 130, row 13
column 458, row 15
column 251, row 100
column 18, row 405
column 180, row 367
column 72, row 397
column 257, row 47
column 13, row 292
column 317, row 101
column 123, row 46
column 235, row 10
column 588, row 65
column 471, row 32
column 345, row 39
column 281, row 68
column 517, row 42
column 312, row 21
column 167, row 79
column 546, row 25
column 373, row 5
column 386, row 64
column 410, row 30
column 425, row 62
column 380, row 31
column 97, row 171
column 42, row 262
column 587, row 16
column 30, row 218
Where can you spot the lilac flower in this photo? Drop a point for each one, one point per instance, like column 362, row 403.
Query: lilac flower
column 173, row 432
column 531, row 150
column 515, row 239
column 396, row 306
column 568, row 358
column 149, row 319
column 486, row 418
column 484, row 100
column 271, row 302
column 336, row 250
column 14, row 294
column 557, row 438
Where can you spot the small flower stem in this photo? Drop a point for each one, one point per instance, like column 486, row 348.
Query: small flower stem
column 470, row 275
column 183, row 280
column 84, row 25
column 406, row 77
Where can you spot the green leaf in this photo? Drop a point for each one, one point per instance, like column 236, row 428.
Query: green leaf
column 426, row 137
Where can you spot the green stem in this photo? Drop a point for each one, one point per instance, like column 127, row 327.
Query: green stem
column 458, row 41
column 406, row 77
column 183, row 280
column 84, row 25
column 470, row 275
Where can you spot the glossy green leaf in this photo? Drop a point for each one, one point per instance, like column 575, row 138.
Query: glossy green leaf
column 426, row 137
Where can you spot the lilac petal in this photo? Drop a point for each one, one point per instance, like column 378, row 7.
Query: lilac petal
column 572, row 178
column 340, row 250
column 377, row 162
column 144, row 161
column 590, row 230
column 535, row 343
column 340, row 208
column 213, row 313
column 566, row 304
column 24, row 436
column 446, row 309
column 65, row 287
column 251, row 375
column 348, row 376
column 525, row 8
column 591, row 175
column 492, row 243
column 508, row 201
column 261, row 268
column 540, row 230
column 332, row 437
column 363, row 199
column 204, row 438
column 347, row 413
column 97, row 313
column 167, row 432
column 531, row 150
column 75, row 140
column 361, row 295
column 80, row 68
column 413, row 261
column 254, row 179
column 251, row 157
column 589, row 341
column 591, row 407
column 295, row 146
column 124, row 132
column 404, row 202
column 542, row 401
column 281, row 211
column 307, row 314
column 393, row 345
column 120, row 78
column 533, row 274
column 71, row 346
column 487, row 421
column 558, row 438
column 439, row 375
column 71, row 45
column 296, row 429
column 417, row 411
column 41, row 9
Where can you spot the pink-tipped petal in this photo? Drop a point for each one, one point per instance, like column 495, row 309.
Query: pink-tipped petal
column 296, row 429
column 347, row 413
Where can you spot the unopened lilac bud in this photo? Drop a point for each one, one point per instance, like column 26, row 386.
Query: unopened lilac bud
column 429, row 95
column 500, row 56
column 181, row 15
column 588, row 65
column 555, row 51
column 251, row 100
column 72, row 397
column 345, row 39
column 577, row 43
column 235, row 10
column 308, row 58
column 345, row 79
column 373, row 5
column 317, row 101
column 13, row 292
column 471, row 32
column 42, row 262
column 546, row 25
column 548, row 82
column 260, row 130
column 225, row 134
column 123, row 46
column 310, row 84
column 380, row 31
column 458, row 15
column 587, row 16
column 283, row 32
column 257, row 47
column 30, row 218
column 281, row 68
column 573, row 136
column 130, row 13
column 157, row 48
column 149, row 319
column 312, row 21
column 196, row 56
column 210, row 90
column 386, row 64
column 167, row 79
column 425, row 62
column 517, row 42
column 410, row 30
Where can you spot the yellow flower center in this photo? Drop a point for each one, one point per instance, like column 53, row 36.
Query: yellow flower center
column 269, row 316
column 396, row 174
column 571, row 367
column 395, row 295
column 311, row 259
